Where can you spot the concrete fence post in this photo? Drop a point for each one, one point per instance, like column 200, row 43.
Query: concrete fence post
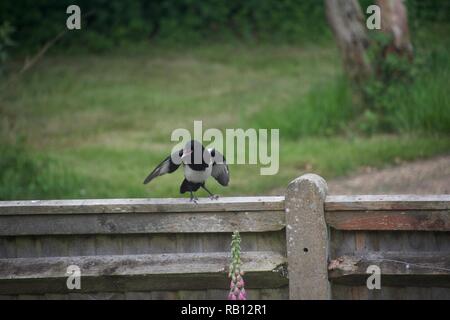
column 307, row 238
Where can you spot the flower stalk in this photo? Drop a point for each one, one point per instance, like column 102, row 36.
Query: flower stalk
column 237, row 290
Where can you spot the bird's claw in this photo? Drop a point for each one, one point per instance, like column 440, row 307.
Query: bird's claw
column 194, row 200
column 214, row 196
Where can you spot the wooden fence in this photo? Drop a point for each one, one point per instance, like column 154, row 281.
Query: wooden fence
column 306, row 245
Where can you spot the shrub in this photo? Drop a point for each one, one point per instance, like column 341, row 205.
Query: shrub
column 6, row 30
column 326, row 110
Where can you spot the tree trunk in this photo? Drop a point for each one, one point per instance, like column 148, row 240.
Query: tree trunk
column 394, row 22
column 347, row 22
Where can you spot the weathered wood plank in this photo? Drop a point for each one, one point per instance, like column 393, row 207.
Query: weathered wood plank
column 360, row 293
column 388, row 293
column 190, row 295
column 440, row 293
column 217, row 294
column 56, row 296
column 8, row 247
column 275, row 203
column 387, row 202
column 274, row 294
column 163, row 243
column 136, row 295
column 96, row 296
column 186, row 271
column 28, row 247
column 253, row 294
column 246, row 221
column 189, row 243
column 390, row 220
column 391, row 241
column 442, row 241
column 397, row 268
column 135, row 244
column 341, row 292
column 80, row 245
column 110, row 265
column 272, row 241
column 30, row 297
column 164, row 295
column 341, row 243
column 108, row 245
column 52, row 246
column 391, row 293
column 156, row 205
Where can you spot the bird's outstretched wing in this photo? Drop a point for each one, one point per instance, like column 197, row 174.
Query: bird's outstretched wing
column 166, row 166
column 220, row 170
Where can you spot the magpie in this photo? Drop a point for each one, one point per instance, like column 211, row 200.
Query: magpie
column 199, row 164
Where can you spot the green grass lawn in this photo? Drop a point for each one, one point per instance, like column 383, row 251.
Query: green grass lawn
column 95, row 125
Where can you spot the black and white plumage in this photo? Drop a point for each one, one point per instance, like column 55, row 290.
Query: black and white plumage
column 198, row 163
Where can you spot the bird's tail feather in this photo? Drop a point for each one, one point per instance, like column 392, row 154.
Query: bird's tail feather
column 150, row 177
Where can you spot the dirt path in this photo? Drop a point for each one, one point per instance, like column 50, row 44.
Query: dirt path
column 424, row 176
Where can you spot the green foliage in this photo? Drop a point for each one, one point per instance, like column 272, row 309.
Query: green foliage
column 23, row 175
column 422, row 107
column 235, row 264
column 116, row 22
column 407, row 94
column 324, row 111
column 6, row 30
column 421, row 12
column 405, row 97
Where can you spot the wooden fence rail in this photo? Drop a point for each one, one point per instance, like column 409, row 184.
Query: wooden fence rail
column 306, row 245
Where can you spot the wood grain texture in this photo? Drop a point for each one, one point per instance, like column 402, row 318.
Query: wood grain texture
column 28, row 247
column 332, row 203
column 8, row 248
column 397, row 268
column 155, row 205
column 347, row 242
column 172, row 249
column 121, row 273
column 359, row 293
column 413, row 220
column 387, row 202
column 126, row 223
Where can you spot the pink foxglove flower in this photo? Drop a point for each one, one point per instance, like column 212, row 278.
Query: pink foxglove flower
column 237, row 291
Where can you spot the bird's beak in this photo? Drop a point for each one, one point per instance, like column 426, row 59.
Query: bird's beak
column 185, row 154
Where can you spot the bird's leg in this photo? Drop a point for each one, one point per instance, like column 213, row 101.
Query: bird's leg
column 193, row 198
column 211, row 195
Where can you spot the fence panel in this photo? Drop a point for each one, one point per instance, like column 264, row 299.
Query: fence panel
column 306, row 245
column 139, row 248
column 407, row 236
